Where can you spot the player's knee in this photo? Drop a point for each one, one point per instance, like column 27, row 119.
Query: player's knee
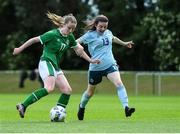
column 67, row 90
column 90, row 93
column 118, row 83
column 49, row 88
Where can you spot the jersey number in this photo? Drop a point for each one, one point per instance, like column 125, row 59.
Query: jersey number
column 62, row 47
column 105, row 41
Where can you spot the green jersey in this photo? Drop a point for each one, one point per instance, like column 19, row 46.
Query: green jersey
column 54, row 45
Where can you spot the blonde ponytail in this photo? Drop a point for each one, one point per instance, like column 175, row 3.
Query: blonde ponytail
column 55, row 19
column 60, row 21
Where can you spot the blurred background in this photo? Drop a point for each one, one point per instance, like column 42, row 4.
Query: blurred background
column 153, row 25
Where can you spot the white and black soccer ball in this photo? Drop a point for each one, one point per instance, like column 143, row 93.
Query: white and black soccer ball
column 58, row 114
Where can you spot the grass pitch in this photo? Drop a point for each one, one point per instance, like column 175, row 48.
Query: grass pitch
column 104, row 114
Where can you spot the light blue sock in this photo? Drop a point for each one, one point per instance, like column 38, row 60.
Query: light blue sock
column 84, row 99
column 121, row 90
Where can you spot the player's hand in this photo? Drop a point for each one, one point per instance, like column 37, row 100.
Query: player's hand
column 16, row 51
column 129, row 44
column 95, row 61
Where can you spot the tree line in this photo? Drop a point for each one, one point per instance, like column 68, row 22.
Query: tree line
column 153, row 25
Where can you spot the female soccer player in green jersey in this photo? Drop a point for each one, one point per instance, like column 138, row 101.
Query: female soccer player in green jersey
column 55, row 43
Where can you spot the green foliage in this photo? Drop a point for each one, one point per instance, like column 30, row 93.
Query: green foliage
column 154, row 29
column 170, row 5
column 22, row 61
column 161, row 29
column 21, row 20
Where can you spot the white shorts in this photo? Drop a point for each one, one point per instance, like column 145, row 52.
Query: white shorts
column 47, row 69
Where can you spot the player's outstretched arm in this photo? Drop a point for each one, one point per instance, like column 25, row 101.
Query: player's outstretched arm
column 80, row 52
column 25, row 45
column 128, row 44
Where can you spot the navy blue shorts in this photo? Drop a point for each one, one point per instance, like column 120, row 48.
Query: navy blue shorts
column 95, row 77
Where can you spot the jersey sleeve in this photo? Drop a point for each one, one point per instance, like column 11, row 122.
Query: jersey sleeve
column 46, row 37
column 73, row 42
column 84, row 39
column 110, row 34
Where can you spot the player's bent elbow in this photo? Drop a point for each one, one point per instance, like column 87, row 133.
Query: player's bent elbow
column 79, row 51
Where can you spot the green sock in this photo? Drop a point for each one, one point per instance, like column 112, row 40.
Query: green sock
column 35, row 96
column 63, row 100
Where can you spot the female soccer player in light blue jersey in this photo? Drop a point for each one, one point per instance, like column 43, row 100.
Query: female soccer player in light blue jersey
column 99, row 41
column 55, row 42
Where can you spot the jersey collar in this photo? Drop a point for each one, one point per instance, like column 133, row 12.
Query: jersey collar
column 61, row 33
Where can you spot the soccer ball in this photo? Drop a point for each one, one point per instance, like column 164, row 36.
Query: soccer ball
column 57, row 114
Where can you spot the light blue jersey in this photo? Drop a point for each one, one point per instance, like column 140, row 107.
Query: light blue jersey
column 100, row 47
